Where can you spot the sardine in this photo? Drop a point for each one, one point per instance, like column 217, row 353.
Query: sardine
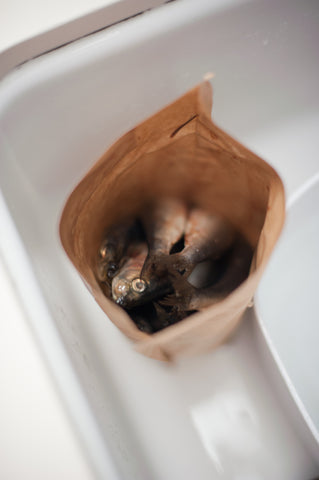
column 188, row 297
column 164, row 224
column 129, row 289
column 113, row 250
column 206, row 237
column 127, row 284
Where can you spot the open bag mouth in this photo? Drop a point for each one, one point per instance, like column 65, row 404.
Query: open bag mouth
column 177, row 153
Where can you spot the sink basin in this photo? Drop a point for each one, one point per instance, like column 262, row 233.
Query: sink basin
column 217, row 415
column 288, row 301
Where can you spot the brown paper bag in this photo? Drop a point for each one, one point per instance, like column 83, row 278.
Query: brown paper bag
column 180, row 152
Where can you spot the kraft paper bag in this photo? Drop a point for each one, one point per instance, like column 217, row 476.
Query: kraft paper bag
column 178, row 152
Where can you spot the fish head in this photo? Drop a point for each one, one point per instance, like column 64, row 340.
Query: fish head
column 110, row 259
column 112, row 268
column 106, row 271
column 128, row 293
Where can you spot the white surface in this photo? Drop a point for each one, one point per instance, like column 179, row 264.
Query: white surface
column 28, row 29
column 57, row 116
column 19, row 21
column 288, row 301
column 36, row 440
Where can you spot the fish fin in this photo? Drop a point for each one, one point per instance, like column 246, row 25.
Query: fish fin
column 168, row 300
column 183, row 293
column 159, row 307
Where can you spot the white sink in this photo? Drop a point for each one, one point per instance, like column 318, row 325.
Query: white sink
column 288, row 301
column 220, row 415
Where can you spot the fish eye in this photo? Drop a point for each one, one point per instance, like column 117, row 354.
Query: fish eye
column 107, row 250
column 138, row 285
column 103, row 251
column 112, row 268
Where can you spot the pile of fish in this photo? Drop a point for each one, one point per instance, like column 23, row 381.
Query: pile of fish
column 171, row 262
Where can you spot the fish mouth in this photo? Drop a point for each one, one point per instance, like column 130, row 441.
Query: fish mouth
column 136, row 292
column 133, row 294
column 120, row 289
column 128, row 294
